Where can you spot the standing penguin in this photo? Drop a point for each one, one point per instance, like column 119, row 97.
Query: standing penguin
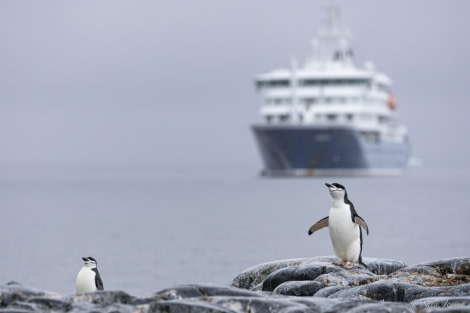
column 88, row 279
column 343, row 222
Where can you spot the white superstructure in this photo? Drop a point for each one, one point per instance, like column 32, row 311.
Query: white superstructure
column 330, row 89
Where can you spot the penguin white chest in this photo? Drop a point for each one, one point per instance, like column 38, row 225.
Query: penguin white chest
column 344, row 233
column 86, row 280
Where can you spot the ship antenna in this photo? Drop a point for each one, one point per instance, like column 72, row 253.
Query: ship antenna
column 294, row 69
column 337, row 37
column 333, row 14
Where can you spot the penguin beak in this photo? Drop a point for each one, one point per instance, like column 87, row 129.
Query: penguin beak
column 85, row 259
column 329, row 185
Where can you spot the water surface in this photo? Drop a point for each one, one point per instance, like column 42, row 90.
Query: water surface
column 153, row 228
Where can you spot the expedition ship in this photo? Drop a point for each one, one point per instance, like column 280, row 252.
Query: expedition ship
column 330, row 116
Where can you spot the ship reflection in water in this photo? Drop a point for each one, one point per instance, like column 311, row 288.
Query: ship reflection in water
column 330, row 116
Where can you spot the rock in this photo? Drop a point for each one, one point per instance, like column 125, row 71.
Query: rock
column 259, row 304
column 268, row 276
column 297, row 273
column 295, row 285
column 298, row 288
column 201, row 290
column 384, row 307
column 459, row 266
column 383, row 291
column 192, row 306
column 383, row 266
column 256, row 275
column 328, row 291
column 185, row 298
column 48, row 304
column 353, row 277
column 427, row 275
column 379, row 280
column 104, row 298
column 14, row 292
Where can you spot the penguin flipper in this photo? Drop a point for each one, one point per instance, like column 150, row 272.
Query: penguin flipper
column 318, row 225
column 98, row 281
column 362, row 223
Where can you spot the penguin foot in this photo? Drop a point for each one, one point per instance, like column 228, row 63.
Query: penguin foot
column 340, row 263
column 348, row 265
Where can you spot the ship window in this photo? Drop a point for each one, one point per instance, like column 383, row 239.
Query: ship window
column 334, row 82
column 283, row 117
column 280, row 83
column 260, row 84
column 384, row 119
column 349, row 117
column 331, row 117
column 372, row 137
column 279, row 100
column 384, row 88
column 308, row 102
column 339, row 81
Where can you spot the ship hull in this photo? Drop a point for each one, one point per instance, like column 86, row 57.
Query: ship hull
column 327, row 151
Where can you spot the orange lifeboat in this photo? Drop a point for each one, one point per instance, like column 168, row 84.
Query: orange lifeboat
column 392, row 103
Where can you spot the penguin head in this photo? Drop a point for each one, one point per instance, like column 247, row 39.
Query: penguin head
column 337, row 191
column 90, row 262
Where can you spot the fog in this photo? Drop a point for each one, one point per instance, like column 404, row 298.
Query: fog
column 113, row 83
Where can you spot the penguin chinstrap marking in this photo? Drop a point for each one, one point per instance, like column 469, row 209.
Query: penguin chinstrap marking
column 345, row 227
column 88, row 278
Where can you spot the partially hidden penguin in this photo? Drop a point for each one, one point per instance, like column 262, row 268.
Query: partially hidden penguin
column 345, row 227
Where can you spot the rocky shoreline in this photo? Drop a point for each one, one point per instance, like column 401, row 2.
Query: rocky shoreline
column 295, row 285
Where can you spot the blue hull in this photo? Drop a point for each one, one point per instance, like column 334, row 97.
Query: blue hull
column 313, row 150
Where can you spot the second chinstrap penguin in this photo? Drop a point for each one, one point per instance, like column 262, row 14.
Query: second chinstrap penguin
column 88, row 278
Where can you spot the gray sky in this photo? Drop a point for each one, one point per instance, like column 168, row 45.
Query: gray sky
column 120, row 82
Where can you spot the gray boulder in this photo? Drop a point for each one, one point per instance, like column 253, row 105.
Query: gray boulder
column 269, row 276
column 378, row 280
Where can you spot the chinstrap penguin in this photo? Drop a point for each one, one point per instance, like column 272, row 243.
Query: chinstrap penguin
column 343, row 222
column 88, row 279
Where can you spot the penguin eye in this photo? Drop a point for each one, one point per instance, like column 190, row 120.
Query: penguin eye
column 338, row 186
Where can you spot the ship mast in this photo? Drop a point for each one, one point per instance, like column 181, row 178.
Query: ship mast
column 331, row 45
column 295, row 114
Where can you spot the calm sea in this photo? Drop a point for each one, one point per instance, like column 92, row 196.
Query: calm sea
column 154, row 228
